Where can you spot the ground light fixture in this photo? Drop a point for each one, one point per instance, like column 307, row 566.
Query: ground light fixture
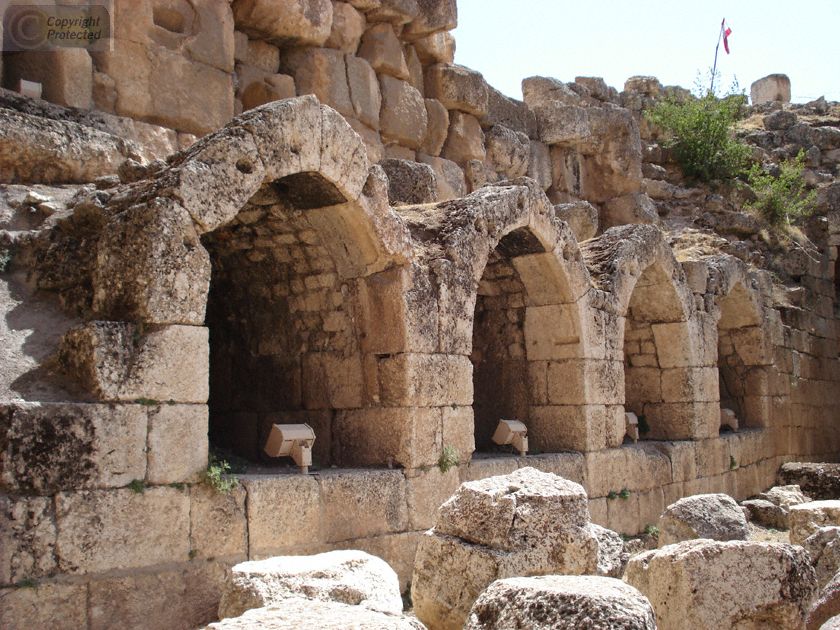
column 512, row 432
column 294, row 440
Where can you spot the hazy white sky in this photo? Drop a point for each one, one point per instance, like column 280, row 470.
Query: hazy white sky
column 508, row 40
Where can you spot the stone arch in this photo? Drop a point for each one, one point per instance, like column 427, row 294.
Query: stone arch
column 667, row 377
column 268, row 227
column 744, row 356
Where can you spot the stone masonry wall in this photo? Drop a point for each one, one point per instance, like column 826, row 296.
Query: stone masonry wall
column 278, row 270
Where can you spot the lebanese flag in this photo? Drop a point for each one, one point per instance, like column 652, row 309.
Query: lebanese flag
column 726, row 33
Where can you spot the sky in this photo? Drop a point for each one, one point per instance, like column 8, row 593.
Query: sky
column 508, row 40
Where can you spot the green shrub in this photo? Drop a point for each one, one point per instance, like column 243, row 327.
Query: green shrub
column 216, row 476
column 448, row 458
column 652, row 530
column 700, row 134
column 781, row 197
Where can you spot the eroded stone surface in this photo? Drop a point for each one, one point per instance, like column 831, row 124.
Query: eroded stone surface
column 714, row 516
column 561, row 602
column 754, row 583
column 348, row 577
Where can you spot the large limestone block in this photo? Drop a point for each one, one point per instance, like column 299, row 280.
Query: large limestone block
column 122, row 362
column 581, row 216
column 465, row 140
column 50, row 447
column 283, row 22
column 298, row 613
column 561, row 603
column 826, row 607
column 38, row 150
column 409, row 182
column 100, row 530
column 363, row 504
column 636, row 208
column 539, row 91
column 183, row 597
column 202, row 31
column 525, row 523
column 426, row 491
column 28, row 531
column 407, row 436
column 524, row 509
column 151, row 269
column 449, row 178
column 612, row 559
column 562, row 124
column 218, row 523
column 394, row 11
column 364, row 91
column 774, row 87
column 509, row 151
column 539, row 165
column 54, row 606
column 322, row 72
column 381, row 48
column 438, row 127
column 807, row 518
column 437, row 48
column 434, row 16
column 159, row 86
column 348, row 25
column 177, row 443
column 513, row 114
column 283, row 513
column 817, row 480
column 714, row 516
column 824, row 549
column 434, row 380
column 349, row 577
column 458, row 88
column 701, row 584
column 403, row 118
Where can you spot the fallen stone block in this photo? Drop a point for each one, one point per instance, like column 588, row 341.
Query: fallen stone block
column 767, row 514
column 525, row 523
column 819, row 481
column 702, row 584
column 714, row 516
column 347, row 577
column 612, row 559
column 807, row 518
column 561, row 603
column 298, row 613
column 827, row 607
column 824, row 548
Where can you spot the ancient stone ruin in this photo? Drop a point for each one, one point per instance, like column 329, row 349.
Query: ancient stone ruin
column 267, row 212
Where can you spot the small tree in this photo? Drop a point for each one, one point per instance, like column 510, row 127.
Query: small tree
column 700, row 129
column 782, row 196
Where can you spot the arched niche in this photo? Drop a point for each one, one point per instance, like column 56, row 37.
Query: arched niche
column 658, row 361
column 743, row 364
column 526, row 335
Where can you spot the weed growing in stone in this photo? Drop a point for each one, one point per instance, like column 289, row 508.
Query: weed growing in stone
column 448, row 458
column 612, row 496
column 652, row 530
column 624, row 494
column 5, row 259
column 150, row 402
column 27, row 583
column 136, row 487
column 217, row 477
column 781, row 195
column 643, row 425
column 178, row 486
column 732, row 463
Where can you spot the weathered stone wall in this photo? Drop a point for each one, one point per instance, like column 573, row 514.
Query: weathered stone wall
column 270, row 272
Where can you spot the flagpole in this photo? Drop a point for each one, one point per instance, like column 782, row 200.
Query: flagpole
column 714, row 67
